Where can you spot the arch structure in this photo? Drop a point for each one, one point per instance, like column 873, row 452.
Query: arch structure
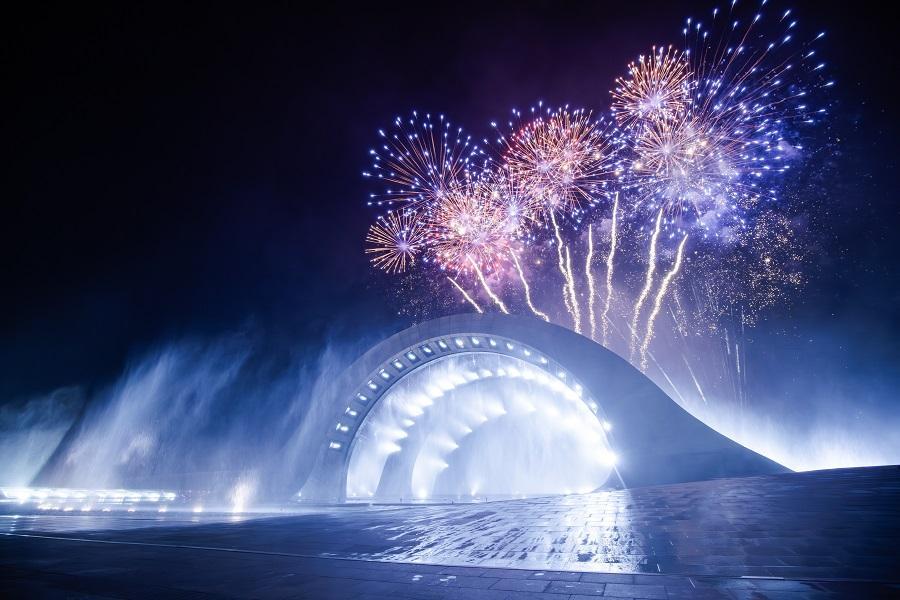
column 397, row 393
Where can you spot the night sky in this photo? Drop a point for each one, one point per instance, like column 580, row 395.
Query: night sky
column 187, row 171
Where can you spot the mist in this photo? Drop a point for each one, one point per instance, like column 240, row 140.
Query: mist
column 220, row 420
column 31, row 430
column 232, row 420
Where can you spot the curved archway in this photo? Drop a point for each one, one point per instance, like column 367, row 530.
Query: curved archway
column 452, row 428
column 652, row 438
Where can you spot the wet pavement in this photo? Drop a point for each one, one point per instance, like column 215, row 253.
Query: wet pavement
column 824, row 534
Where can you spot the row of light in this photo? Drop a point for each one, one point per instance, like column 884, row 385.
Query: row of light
column 89, row 507
column 66, row 499
column 25, row 494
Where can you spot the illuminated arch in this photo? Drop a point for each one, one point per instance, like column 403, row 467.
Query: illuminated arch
column 654, row 440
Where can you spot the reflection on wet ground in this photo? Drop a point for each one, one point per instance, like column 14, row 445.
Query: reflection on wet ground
column 820, row 527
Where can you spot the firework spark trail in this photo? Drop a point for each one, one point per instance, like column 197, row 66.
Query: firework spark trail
column 604, row 321
column 657, row 304
column 465, row 294
column 694, row 378
column 590, row 281
column 487, row 288
column 562, row 269
column 672, row 386
column 527, row 288
column 681, row 399
column 572, row 295
column 648, row 283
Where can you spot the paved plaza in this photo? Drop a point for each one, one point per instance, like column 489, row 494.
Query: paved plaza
column 824, row 534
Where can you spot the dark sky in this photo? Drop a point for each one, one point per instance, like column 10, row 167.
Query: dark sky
column 182, row 170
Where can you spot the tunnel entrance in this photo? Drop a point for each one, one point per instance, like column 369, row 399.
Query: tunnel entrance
column 474, row 426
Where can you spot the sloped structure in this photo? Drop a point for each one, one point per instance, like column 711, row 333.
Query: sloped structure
column 646, row 437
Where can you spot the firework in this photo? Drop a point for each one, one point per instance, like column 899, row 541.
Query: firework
column 395, row 240
column 656, row 89
column 563, row 158
column 699, row 138
column 753, row 70
column 771, row 262
column 737, row 97
column 689, row 170
column 420, row 160
column 518, row 208
column 468, row 228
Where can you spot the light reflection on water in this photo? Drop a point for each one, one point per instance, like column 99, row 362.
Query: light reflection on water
column 798, row 524
column 584, row 532
column 590, row 532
